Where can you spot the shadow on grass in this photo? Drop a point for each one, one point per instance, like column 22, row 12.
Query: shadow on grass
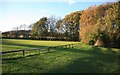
column 22, row 57
column 97, row 62
column 7, row 59
column 17, row 58
column 24, row 45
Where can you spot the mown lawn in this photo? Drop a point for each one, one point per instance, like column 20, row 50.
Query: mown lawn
column 10, row 44
column 80, row 59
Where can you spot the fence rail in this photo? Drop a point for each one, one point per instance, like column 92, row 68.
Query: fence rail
column 48, row 48
column 21, row 50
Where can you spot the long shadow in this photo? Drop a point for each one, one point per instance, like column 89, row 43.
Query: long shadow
column 97, row 62
column 92, row 51
column 26, row 45
column 17, row 58
column 7, row 59
column 22, row 57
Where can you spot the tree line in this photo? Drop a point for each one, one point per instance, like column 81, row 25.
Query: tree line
column 96, row 23
column 66, row 28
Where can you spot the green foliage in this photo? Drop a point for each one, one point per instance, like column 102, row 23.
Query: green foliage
column 91, row 42
column 110, row 24
column 40, row 27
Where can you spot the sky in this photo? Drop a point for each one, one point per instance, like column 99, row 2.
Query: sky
column 13, row 13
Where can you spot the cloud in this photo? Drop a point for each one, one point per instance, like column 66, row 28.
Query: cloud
column 71, row 2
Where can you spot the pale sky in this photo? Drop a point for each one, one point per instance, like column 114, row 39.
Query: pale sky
column 16, row 12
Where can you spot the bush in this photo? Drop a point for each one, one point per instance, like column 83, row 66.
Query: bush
column 91, row 42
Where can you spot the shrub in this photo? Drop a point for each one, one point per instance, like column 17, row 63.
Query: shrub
column 91, row 42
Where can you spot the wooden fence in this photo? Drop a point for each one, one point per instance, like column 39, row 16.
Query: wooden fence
column 48, row 48
column 21, row 50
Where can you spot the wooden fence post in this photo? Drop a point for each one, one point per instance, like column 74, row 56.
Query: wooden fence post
column 69, row 46
column 72, row 45
column 23, row 52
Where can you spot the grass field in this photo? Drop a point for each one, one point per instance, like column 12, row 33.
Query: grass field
column 80, row 59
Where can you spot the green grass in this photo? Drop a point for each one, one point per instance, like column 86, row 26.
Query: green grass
column 80, row 59
column 10, row 44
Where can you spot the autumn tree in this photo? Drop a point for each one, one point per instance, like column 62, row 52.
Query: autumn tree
column 89, row 18
column 70, row 25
